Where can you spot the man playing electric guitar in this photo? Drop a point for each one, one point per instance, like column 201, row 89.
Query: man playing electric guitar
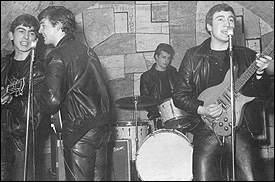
column 204, row 67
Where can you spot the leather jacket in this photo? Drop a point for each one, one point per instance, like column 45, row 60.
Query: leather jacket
column 14, row 114
column 151, row 86
column 194, row 71
column 70, row 85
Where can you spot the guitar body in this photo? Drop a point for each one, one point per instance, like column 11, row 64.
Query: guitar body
column 220, row 94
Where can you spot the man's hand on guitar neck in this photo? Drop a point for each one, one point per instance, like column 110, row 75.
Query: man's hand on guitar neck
column 212, row 110
column 262, row 62
column 5, row 98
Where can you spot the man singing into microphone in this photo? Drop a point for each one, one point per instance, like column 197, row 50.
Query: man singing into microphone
column 205, row 66
column 15, row 72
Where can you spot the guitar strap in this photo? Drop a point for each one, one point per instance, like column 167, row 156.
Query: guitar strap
column 99, row 79
column 77, row 82
column 98, row 120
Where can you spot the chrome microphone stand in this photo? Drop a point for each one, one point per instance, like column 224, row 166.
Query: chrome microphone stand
column 29, row 112
column 232, row 97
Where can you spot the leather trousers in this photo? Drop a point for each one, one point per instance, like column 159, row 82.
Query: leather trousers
column 210, row 156
column 87, row 159
column 15, row 162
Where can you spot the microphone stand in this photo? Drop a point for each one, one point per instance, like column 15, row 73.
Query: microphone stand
column 29, row 112
column 232, row 98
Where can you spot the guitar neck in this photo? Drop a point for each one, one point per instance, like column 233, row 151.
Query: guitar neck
column 251, row 69
column 245, row 76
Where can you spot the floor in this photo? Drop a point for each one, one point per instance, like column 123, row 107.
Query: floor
column 123, row 169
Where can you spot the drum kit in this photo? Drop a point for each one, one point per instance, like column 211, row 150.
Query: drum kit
column 164, row 154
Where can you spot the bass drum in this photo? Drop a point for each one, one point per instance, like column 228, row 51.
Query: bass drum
column 165, row 155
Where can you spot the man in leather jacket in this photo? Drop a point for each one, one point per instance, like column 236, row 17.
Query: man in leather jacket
column 74, row 85
column 15, row 72
column 158, row 82
column 205, row 66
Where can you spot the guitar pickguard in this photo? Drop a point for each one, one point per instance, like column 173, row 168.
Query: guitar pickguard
column 222, row 125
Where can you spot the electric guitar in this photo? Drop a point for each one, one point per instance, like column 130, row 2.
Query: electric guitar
column 221, row 94
column 56, row 124
column 15, row 87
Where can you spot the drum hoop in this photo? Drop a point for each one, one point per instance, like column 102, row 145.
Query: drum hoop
column 162, row 131
column 175, row 118
column 131, row 123
column 165, row 100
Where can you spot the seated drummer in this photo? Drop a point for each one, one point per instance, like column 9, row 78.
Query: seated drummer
column 158, row 82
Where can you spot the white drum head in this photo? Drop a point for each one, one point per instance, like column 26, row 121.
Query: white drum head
column 165, row 155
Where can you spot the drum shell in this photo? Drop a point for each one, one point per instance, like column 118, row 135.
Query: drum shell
column 171, row 116
column 127, row 130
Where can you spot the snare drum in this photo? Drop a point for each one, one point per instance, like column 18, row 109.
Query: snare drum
column 171, row 116
column 165, row 155
column 127, row 130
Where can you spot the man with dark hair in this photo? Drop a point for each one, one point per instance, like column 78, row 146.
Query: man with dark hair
column 15, row 72
column 74, row 85
column 158, row 82
column 204, row 92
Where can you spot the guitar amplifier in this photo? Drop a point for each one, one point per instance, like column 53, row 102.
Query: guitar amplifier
column 119, row 152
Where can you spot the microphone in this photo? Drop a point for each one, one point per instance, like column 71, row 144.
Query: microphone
column 33, row 44
column 230, row 33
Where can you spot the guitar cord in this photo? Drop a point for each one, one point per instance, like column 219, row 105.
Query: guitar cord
column 211, row 126
column 221, row 142
column 59, row 138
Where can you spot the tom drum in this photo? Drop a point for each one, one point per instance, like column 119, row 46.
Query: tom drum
column 172, row 117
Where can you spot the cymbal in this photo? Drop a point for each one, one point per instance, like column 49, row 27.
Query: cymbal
column 141, row 101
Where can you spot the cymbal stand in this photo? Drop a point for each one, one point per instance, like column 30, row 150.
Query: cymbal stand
column 136, row 128
column 135, row 175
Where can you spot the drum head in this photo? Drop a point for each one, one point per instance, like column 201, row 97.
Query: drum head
column 165, row 155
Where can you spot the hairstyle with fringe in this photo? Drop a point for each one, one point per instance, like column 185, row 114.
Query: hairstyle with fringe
column 166, row 48
column 60, row 14
column 26, row 20
column 213, row 10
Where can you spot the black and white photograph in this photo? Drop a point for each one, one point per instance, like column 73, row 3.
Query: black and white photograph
column 137, row 90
